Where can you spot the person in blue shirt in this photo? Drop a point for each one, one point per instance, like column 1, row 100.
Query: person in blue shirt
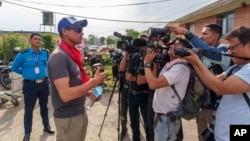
column 31, row 64
column 213, row 59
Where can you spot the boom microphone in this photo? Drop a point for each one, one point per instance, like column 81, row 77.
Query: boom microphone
column 123, row 37
column 118, row 35
column 139, row 42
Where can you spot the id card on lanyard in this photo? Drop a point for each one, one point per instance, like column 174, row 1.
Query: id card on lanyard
column 36, row 69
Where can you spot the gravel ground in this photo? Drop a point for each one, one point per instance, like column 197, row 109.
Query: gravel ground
column 11, row 123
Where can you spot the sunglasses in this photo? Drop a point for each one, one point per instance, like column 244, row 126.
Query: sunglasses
column 76, row 28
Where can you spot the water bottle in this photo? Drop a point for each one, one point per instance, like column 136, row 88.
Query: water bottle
column 97, row 91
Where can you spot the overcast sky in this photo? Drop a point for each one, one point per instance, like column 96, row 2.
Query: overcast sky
column 26, row 15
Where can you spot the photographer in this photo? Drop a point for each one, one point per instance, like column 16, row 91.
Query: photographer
column 208, row 41
column 165, row 102
column 232, row 85
column 137, row 95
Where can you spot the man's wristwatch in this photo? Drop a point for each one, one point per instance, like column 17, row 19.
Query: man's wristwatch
column 147, row 65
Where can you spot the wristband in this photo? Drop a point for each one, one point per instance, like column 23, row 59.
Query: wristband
column 147, row 65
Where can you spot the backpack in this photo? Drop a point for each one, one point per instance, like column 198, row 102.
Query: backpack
column 192, row 100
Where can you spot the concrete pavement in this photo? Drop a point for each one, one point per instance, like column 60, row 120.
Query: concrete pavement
column 11, row 123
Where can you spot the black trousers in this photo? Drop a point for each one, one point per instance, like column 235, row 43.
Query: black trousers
column 138, row 103
column 32, row 92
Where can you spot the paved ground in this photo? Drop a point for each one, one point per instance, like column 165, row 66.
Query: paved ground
column 11, row 123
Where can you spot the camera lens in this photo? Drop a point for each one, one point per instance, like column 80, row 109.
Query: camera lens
column 181, row 51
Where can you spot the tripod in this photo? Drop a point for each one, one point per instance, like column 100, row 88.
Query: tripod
column 119, row 105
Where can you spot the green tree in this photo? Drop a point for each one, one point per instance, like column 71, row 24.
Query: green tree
column 10, row 42
column 133, row 33
column 90, row 39
column 103, row 40
column 47, row 42
column 111, row 40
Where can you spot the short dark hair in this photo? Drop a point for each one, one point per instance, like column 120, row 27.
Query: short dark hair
column 215, row 28
column 242, row 33
column 183, row 41
column 33, row 34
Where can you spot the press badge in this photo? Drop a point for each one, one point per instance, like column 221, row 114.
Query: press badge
column 37, row 70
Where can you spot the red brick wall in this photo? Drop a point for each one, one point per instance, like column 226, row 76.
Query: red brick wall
column 200, row 23
column 242, row 16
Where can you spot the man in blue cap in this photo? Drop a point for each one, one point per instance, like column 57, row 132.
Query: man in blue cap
column 70, row 83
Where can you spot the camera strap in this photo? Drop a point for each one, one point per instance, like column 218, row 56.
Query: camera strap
column 247, row 99
column 233, row 70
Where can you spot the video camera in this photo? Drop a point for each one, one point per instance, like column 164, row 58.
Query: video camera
column 116, row 57
column 125, row 43
column 162, row 33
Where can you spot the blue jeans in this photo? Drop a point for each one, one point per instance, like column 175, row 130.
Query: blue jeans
column 166, row 130
column 32, row 92
column 136, row 102
column 151, row 114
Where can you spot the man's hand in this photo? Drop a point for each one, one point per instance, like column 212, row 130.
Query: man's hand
column 99, row 76
column 192, row 58
column 141, row 79
column 178, row 30
column 130, row 77
column 149, row 56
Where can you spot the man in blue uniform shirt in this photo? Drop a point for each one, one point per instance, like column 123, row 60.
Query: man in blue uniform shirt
column 31, row 64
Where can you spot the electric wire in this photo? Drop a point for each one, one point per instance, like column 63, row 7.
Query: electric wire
column 108, row 6
column 102, row 19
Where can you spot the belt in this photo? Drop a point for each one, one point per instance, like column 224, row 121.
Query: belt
column 157, row 118
column 138, row 92
column 37, row 81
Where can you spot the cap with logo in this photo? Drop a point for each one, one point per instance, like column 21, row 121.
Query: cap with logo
column 66, row 22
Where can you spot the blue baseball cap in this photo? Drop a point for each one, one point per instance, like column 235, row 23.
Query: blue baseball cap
column 66, row 22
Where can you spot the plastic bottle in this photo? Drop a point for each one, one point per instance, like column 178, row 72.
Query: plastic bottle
column 97, row 91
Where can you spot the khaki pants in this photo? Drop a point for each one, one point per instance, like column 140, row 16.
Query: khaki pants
column 71, row 129
column 204, row 119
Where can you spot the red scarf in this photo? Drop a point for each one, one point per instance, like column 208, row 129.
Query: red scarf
column 76, row 56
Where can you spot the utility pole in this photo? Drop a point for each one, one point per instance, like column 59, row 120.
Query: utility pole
column 1, row 3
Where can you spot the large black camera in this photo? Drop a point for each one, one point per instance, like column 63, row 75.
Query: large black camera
column 116, row 58
column 125, row 43
column 183, row 51
column 162, row 33
column 159, row 31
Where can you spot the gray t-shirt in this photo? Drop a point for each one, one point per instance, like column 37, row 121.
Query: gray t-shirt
column 60, row 65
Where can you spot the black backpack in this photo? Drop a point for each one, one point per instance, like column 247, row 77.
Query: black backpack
column 192, row 100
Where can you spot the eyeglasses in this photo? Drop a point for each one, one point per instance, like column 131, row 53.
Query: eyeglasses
column 231, row 47
column 76, row 28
